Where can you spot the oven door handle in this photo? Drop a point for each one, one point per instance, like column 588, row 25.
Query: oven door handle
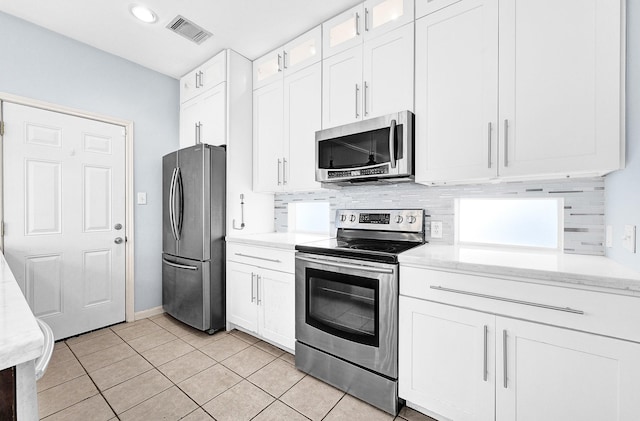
column 346, row 265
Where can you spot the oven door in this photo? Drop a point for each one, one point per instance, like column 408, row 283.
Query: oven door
column 349, row 309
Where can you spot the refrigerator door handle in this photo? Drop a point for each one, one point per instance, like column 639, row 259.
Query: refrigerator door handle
column 172, row 216
column 179, row 190
column 175, row 265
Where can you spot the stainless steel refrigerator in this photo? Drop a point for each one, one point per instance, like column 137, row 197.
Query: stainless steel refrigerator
column 193, row 219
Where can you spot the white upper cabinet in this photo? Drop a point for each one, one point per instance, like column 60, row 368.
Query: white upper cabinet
column 457, row 92
column 387, row 73
column 561, row 102
column 203, row 104
column 268, row 137
column 286, row 114
column 302, row 118
column 293, row 56
column 203, row 119
column 343, row 31
column 505, row 89
column 369, row 80
column 205, row 77
column 364, row 21
column 341, row 87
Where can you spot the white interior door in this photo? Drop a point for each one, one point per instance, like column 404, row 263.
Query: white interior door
column 64, row 210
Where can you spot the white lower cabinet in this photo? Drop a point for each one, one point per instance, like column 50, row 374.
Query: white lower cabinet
column 261, row 300
column 462, row 364
column 442, row 360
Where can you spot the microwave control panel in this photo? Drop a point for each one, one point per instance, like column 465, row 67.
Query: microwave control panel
column 381, row 170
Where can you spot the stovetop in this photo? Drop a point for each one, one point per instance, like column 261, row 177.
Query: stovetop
column 375, row 235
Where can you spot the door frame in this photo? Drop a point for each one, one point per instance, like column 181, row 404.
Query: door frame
column 129, row 195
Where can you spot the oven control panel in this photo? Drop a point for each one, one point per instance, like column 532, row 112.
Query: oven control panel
column 410, row 220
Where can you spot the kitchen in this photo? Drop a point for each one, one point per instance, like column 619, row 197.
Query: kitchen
column 151, row 100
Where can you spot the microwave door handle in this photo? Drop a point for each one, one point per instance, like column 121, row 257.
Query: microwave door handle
column 392, row 144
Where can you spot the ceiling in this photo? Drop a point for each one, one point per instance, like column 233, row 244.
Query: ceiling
column 250, row 27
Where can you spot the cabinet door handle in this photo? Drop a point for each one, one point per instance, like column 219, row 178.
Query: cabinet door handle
column 258, row 277
column 357, row 94
column 253, row 298
column 259, row 258
column 506, row 142
column 279, row 165
column 504, row 358
column 357, row 24
column 484, row 362
column 509, row 300
column 364, row 100
column 489, row 144
column 197, row 80
column 198, row 132
column 366, row 19
column 284, row 59
column 284, row 171
column 279, row 63
column 200, row 80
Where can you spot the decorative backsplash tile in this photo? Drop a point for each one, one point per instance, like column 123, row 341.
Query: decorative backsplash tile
column 584, row 231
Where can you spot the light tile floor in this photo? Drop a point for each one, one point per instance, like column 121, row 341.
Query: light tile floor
column 161, row 369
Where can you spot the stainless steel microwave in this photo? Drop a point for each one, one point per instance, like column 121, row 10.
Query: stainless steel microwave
column 376, row 149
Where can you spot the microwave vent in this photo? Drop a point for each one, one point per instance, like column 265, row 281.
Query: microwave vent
column 182, row 26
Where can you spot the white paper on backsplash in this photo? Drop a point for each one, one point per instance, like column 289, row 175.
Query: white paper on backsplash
column 584, row 231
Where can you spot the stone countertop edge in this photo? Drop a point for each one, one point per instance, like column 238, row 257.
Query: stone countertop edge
column 280, row 240
column 20, row 337
column 571, row 268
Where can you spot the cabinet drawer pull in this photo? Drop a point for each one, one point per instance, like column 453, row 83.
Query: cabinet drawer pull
column 484, row 361
column 259, row 258
column 357, row 94
column 253, row 297
column 279, row 165
column 506, row 143
column 509, row 300
column 504, row 358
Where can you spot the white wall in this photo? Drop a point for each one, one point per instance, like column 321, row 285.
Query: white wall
column 622, row 188
column 40, row 64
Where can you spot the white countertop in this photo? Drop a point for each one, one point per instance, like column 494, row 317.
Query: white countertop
column 281, row 240
column 20, row 337
column 594, row 271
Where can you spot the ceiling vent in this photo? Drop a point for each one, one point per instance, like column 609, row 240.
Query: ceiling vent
column 188, row 29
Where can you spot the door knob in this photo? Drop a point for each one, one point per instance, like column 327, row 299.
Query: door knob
column 117, row 226
column 118, row 240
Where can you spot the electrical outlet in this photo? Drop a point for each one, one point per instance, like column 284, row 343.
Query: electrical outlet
column 629, row 238
column 142, row 198
column 609, row 236
column 436, row 229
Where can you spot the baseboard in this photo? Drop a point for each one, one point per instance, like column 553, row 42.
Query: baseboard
column 145, row 314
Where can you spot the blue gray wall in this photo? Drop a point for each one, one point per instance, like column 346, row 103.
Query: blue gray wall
column 39, row 64
column 622, row 188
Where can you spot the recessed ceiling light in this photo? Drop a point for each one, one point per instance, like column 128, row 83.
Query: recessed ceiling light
column 143, row 13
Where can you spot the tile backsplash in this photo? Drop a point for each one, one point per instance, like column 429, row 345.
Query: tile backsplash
column 584, row 231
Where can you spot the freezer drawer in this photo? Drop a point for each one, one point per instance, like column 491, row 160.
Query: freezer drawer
column 186, row 293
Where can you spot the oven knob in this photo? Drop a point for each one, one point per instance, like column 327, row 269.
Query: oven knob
column 411, row 219
column 343, row 217
column 352, row 218
column 399, row 219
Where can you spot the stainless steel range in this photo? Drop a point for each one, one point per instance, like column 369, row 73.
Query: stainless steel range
column 347, row 302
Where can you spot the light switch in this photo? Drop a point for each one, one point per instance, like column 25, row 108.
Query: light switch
column 142, row 198
column 629, row 238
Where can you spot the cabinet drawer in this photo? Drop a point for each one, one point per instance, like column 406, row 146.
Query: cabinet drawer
column 589, row 311
column 268, row 258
